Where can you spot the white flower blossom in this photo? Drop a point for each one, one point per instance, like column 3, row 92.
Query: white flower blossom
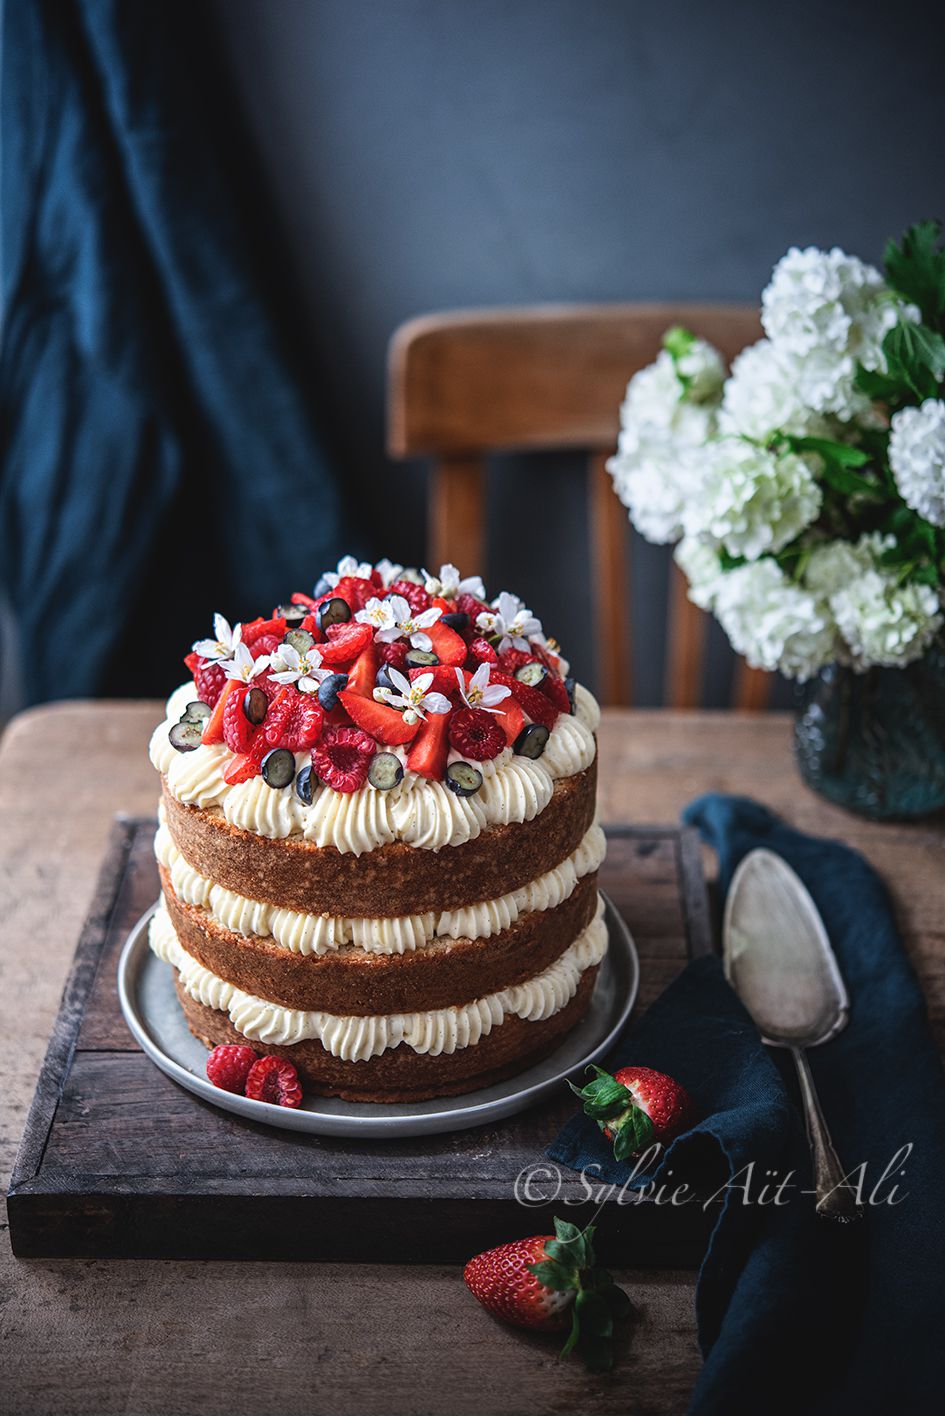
column 243, row 666
column 287, row 665
column 699, row 366
column 450, row 585
column 389, row 571
column 752, row 500
column 699, row 562
column 510, row 619
column 655, row 482
column 348, row 566
column 773, row 623
column 884, row 621
column 762, row 397
column 917, row 458
column 479, row 692
column 224, row 646
column 834, row 564
column 414, row 698
column 394, row 619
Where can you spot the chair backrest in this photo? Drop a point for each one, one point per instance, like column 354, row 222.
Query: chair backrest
column 464, row 384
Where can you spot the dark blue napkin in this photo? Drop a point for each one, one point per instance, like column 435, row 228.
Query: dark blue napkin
column 796, row 1313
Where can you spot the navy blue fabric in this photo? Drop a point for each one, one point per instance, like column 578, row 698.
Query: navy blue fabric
column 157, row 456
column 796, row 1313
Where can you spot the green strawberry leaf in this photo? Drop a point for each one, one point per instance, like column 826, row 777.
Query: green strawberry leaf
column 572, row 1252
column 594, row 1313
column 603, row 1097
column 568, row 1232
column 574, row 1335
column 916, row 269
column 633, row 1134
column 552, row 1274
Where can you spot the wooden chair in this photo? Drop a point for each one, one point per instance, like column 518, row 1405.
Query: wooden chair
column 466, row 384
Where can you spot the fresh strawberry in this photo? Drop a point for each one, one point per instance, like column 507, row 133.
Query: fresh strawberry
column 364, row 671
column 213, row 731
column 444, row 679
column 394, row 653
column 512, row 659
column 548, row 1282
column 294, row 720
column 228, row 1067
column 379, row 719
column 482, row 651
column 310, row 623
column 299, row 599
column 469, row 605
column 415, row 595
column 343, row 756
column 193, row 662
column 238, row 731
column 511, row 717
column 430, row 748
column 448, row 646
column 476, row 734
column 275, row 1080
column 345, row 642
column 247, row 764
column 537, row 705
column 209, row 680
column 554, row 688
column 635, row 1107
column 259, row 628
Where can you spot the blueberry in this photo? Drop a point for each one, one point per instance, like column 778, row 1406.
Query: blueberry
column 421, row 659
column 305, row 784
column 333, row 611
column 385, row 771
column 185, row 736
column 458, row 621
column 292, row 614
column 278, row 767
column 569, row 686
column 321, row 588
column 382, row 678
column 532, row 674
column 255, row 705
column 329, row 689
column 195, row 712
column 463, row 779
column 300, row 640
column 531, row 741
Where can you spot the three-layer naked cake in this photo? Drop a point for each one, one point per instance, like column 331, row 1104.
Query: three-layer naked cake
column 377, row 842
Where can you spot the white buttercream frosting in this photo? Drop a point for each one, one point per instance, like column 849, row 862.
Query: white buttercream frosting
column 353, row 1039
column 417, row 811
column 322, row 934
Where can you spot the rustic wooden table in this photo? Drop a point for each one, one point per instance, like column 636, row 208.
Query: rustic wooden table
column 141, row 1338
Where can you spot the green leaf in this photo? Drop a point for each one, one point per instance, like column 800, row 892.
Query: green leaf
column 594, row 1313
column 916, row 268
column 596, row 1352
column 678, row 341
column 566, row 1231
column 573, row 1335
column 841, row 454
column 603, row 1097
column 916, row 355
column 552, row 1274
column 879, row 386
column 844, row 479
column 633, row 1134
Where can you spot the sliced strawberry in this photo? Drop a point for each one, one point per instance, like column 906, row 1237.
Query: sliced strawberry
column 469, row 605
column 364, row 671
column 553, row 687
column 294, row 721
column 345, row 642
column 448, row 646
column 510, row 715
column 310, row 623
column 482, row 652
column 415, row 595
column 213, row 732
column 299, row 599
column 430, row 748
column 536, row 704
column 247, row 764
column 257, row 628
column 238, row 731
column 193, row 662
column 209, row 681
column 379, row 719
column 444, row 679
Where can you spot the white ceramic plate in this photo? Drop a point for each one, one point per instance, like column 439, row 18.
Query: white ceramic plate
column 153, row 1013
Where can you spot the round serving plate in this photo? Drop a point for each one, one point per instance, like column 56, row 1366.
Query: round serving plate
column 149, row 1002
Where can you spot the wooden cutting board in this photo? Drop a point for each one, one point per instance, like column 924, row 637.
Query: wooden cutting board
column 119, row 1162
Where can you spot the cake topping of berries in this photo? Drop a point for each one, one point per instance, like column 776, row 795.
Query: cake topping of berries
column 228, row 1067
column 395, row 618
column 342, row 758
column 475, row 733
column 275, row 1080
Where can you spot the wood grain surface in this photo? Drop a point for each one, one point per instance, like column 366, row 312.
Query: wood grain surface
column 93, row 1338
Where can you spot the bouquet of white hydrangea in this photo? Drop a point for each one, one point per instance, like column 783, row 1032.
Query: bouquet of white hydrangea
column 806, row 487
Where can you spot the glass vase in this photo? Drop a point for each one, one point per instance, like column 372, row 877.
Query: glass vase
column 875, row 742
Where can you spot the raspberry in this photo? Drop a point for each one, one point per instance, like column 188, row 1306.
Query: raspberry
column 209, row 680
column 275, row 1080
column 294, row 721
column 342, row 758
column 415, row 595
column 229, row 1066
column 394, row 653
column 265, row 644
column 537, row 705
column 469, row 605
column 512, row 659
column 476, row 734
column 238, row 731
column 259, row 628
column 482, row 651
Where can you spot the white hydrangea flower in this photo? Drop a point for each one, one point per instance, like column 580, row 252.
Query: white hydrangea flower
column 774, row 623
column 699, row 562
column 450, row 585
column 752, row 500
column 828, row 311
column 701, row 369
column 834, row 564
column 655, row 482
column 917, row 458
column 885, row 622
column 655, row 401
column 762, row 397
column 510, row 619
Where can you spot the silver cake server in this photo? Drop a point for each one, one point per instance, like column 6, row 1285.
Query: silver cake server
column 778, row 959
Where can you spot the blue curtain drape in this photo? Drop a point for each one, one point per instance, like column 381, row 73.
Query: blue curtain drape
column 160, row 457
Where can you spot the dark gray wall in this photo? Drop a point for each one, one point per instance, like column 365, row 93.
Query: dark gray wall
column 427, row 154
